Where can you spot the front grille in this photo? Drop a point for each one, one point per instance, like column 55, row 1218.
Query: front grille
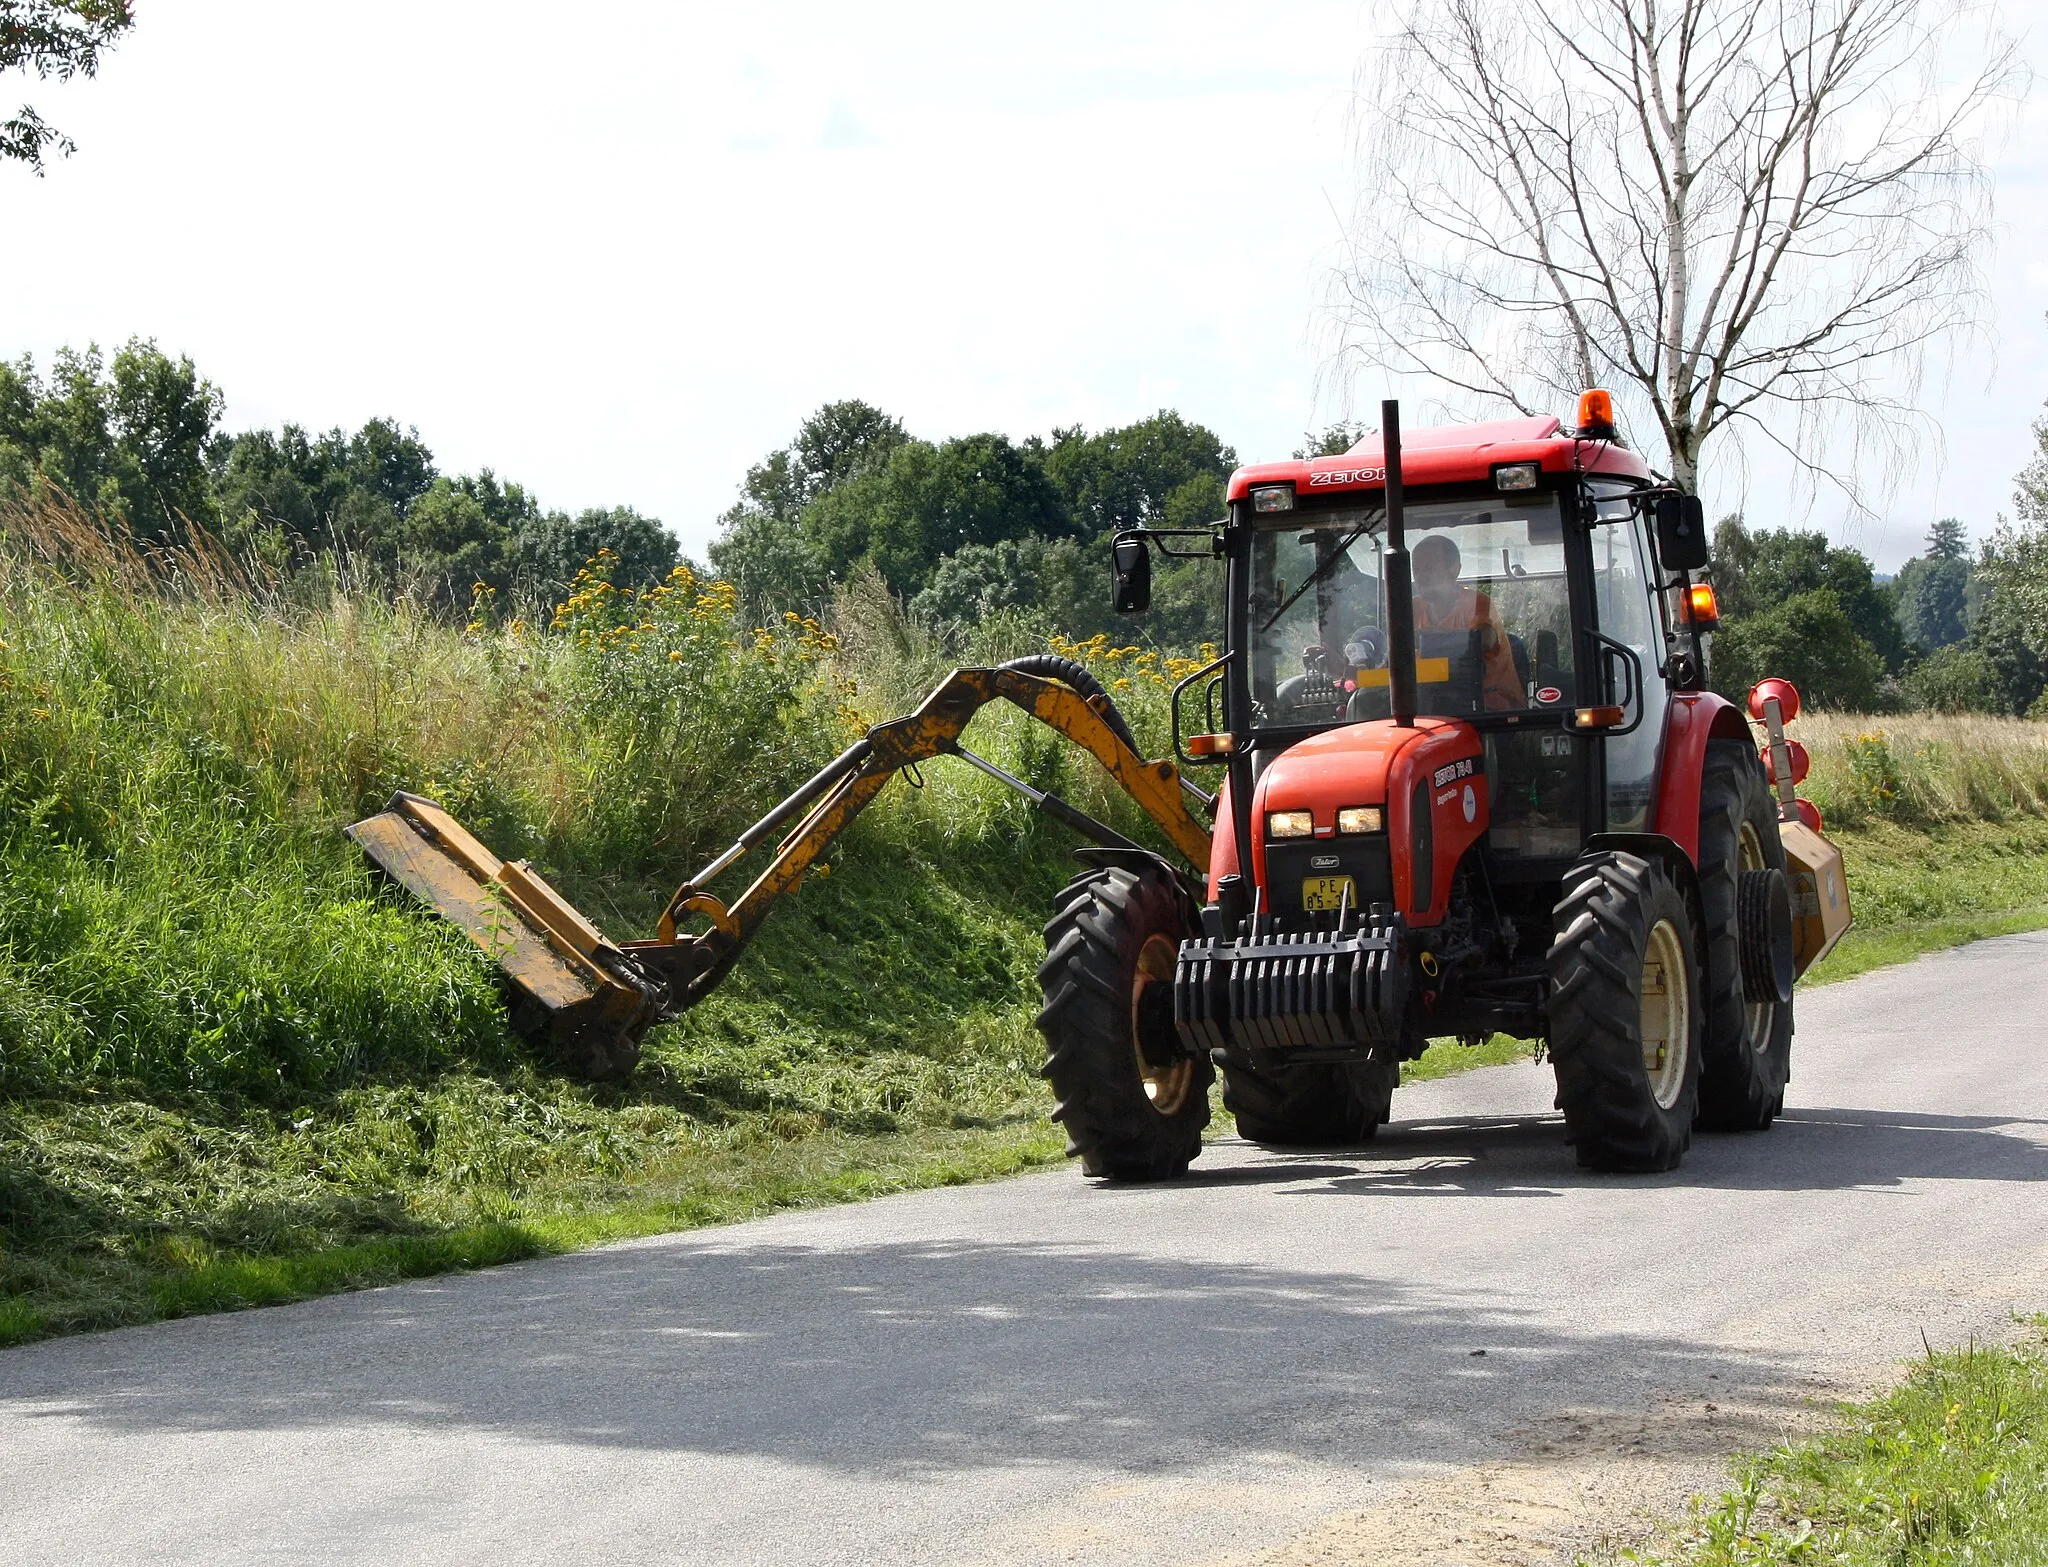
column 1364, row 859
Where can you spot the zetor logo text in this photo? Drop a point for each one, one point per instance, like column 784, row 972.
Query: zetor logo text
column 1348, row 476
column 1458, row 769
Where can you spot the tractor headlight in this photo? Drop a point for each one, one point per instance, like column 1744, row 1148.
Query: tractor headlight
column 1290, row 824
column 1274, row 497
column 1515, row 476
column 1359, row 818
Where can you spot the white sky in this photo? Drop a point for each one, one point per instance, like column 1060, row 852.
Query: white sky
column 618, row 251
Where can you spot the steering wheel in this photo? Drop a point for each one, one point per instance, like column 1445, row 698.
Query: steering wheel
column 1366, row 648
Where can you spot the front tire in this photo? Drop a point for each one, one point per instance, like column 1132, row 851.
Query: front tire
column 1746, row 1054
column 1625, row 1014
column 1317, row 1105
column 1132, row 1100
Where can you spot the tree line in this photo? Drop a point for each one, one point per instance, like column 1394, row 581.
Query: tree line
column 137, row 439
column 978, row 525
column 1942, row 636
column 1955, row 630
column 958, row 530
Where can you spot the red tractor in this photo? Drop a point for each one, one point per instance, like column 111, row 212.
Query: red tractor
column 1474, row 784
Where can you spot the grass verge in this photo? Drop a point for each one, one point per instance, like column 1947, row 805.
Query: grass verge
column 1950, row 1467
column 1925, row 889
column 177, row 1273
column 1915, row 890
column 126, row 1208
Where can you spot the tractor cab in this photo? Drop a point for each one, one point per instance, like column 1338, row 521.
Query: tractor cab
column 1544, row 625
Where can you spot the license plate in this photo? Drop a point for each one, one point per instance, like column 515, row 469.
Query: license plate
column 1327, row 894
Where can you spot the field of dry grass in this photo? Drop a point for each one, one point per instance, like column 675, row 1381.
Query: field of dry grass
column 1924, row 768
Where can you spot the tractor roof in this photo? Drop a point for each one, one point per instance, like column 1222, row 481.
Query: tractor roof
column 1450, row 454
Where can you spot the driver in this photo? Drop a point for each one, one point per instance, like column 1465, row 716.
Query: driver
column 1443, row 603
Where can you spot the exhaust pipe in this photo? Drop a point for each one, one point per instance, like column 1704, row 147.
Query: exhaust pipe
column 1400, row 584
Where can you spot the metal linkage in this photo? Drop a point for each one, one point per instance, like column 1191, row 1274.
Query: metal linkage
column 1059, row 810
column 596, row 997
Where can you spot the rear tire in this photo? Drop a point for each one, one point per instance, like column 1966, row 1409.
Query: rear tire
column 1625, row 1013
column 1319, row 1105
column 1132, row 1101
column 1746, row 1054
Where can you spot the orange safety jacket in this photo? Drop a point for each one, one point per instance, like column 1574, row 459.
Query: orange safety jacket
column 1503, row 687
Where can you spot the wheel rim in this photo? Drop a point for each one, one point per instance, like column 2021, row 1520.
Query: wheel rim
column 1667, row 1013
column 1166, row 1087
column 1757, row 1016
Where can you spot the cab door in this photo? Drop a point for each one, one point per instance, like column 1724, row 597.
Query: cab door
column 1629, row 655
column 1536, row 768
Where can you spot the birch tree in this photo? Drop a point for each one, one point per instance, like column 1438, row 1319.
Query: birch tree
column 1757, row 213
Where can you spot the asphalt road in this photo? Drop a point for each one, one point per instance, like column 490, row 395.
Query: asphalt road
column 1038, row 1370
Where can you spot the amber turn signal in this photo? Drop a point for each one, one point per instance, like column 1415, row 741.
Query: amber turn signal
column 1597, row 718
column 1211, row 745
column 1706, row 609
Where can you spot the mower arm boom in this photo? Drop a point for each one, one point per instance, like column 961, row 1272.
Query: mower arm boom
column 825, row 805
column 597, row 997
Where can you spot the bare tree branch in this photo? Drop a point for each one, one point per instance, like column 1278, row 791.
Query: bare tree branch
column 1760, row 213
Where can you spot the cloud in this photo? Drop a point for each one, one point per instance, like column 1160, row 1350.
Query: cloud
column 842, row 130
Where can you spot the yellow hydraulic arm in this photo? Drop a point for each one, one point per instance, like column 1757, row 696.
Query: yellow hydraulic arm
column 595, row 998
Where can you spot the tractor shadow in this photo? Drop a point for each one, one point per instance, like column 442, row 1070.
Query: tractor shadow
column 1806, row 1150
column 1154, row 1329
column 901, row 1358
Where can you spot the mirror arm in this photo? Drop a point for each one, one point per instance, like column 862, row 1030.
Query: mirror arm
column 1213, row 532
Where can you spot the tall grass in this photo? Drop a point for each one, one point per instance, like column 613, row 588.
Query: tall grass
column 179, row 910
column 221, row 1038
column 1924, row 769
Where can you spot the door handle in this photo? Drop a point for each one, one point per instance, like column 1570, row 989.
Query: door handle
column 1632, row 664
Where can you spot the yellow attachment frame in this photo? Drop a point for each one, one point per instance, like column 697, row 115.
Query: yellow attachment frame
column 596, row 998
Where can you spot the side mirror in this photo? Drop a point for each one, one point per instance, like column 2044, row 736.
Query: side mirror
column 1130, row 574
column 1681, row 532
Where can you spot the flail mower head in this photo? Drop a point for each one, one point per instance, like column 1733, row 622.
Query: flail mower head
column 581, row 994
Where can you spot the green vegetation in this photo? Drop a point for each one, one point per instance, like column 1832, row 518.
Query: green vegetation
column 1793, row 605
column 137, row 441
column 1447, row 1057
column 60, row 38
column 962, row 529
column 1949, row 634
column 233, row 1069
column 1918, row 891
column 225, row 1054
column 974, row 526
column 1950, row 1467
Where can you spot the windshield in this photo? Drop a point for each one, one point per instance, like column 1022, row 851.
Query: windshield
column 1492, row 612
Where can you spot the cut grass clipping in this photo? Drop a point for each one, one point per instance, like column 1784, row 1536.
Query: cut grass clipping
column 1950, row 1467
column 233, row 1071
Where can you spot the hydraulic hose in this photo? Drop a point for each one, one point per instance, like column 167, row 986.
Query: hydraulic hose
column 1050, row 666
